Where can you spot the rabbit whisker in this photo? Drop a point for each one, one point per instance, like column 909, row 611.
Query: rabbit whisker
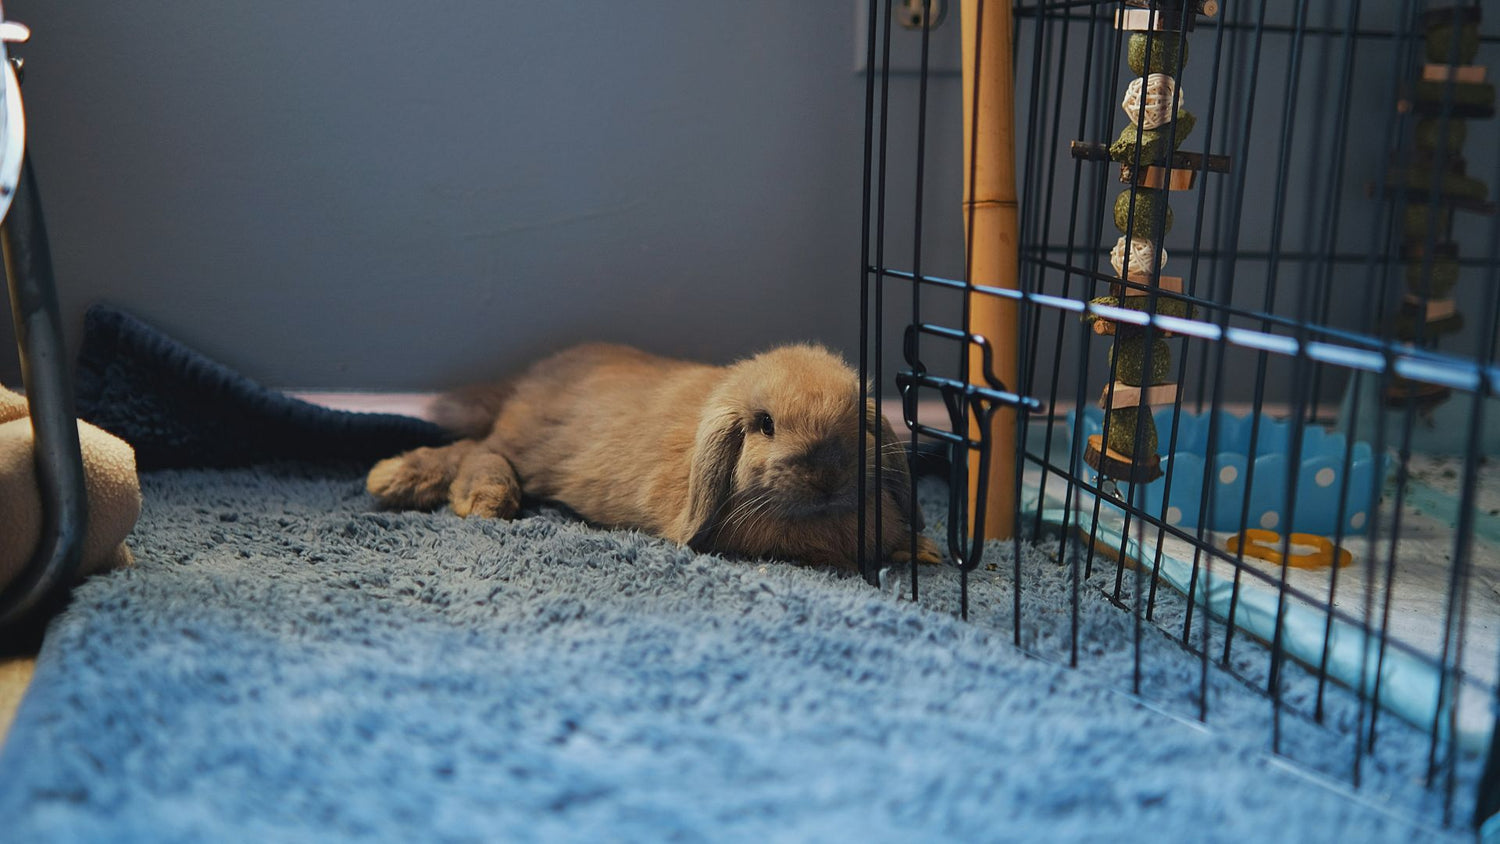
column 741, row 512
column 759, row 510
column 758, row 514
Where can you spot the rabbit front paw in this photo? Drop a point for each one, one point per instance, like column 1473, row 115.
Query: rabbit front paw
column 416, row 480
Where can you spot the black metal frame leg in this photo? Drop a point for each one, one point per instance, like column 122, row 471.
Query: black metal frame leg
column 49, row 389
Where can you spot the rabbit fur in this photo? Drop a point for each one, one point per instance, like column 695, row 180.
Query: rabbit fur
column 755, row 459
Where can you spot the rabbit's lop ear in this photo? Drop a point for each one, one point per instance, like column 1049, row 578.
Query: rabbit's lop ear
column 716, row 451
column 895, row 475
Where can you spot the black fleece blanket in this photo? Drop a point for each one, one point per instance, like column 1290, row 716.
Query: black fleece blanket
column 179, row 408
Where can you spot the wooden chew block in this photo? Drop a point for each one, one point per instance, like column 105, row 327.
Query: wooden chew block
column 1095, row 151
column 1106, row 328
column 1415, row 250
column 1142, row 20
column 1206, row 8
column 1418, row 158
column 1128, row 396
column 1436, row 308
column 1157, row 178
column 1457, row 111
column 1460, row 72
column 1166, row 284
column 1420, row 394
column 1112, row 464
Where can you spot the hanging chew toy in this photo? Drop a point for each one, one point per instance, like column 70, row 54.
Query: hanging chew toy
column 1151, row 167
column 1449, row 85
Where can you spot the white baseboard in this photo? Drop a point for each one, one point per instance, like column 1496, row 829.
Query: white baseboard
column 406, row 404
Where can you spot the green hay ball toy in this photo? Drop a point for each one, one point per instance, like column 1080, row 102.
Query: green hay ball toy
column 1122, row 423
column 1440, row 44
column 1406, row 326
column 1429, row 134
column 1165, row 305
column 1155, row 144
column 1444, row 275
column 1422, row 220
column 1153, row 216
column 1476, row 94
column 1419, row 180
column 1169, row 51
column 1130, row 356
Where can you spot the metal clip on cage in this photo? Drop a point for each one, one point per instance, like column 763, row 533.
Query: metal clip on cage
column 39, row 337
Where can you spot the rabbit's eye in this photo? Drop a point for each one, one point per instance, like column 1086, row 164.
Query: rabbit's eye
column 765, row 424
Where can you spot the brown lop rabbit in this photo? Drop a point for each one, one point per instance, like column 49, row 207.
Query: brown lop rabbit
column 755, row 459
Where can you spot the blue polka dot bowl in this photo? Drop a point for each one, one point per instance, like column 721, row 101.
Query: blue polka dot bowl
column 1326, row 489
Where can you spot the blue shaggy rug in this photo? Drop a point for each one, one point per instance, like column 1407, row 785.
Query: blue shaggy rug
column 284, row 663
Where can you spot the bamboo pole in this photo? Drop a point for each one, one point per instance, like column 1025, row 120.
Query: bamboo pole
column 991, row 228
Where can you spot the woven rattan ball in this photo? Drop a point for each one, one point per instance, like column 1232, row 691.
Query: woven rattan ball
column 1145, row 256
column 1160, row 92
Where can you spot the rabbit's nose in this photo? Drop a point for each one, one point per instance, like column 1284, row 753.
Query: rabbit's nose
column 829, row 482
column 827, row 457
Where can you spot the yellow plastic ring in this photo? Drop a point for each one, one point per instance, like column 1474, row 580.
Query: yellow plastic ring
column 1266, row 545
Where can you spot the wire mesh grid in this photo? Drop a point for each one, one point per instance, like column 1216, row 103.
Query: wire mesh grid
column 1266, row 401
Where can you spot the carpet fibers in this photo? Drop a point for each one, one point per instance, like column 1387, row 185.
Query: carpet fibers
column 286, row 664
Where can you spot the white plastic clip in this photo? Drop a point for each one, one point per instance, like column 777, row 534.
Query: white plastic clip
column 12, row 116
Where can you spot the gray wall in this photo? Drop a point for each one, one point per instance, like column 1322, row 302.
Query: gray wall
column 402, row 196
column 370, row 196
